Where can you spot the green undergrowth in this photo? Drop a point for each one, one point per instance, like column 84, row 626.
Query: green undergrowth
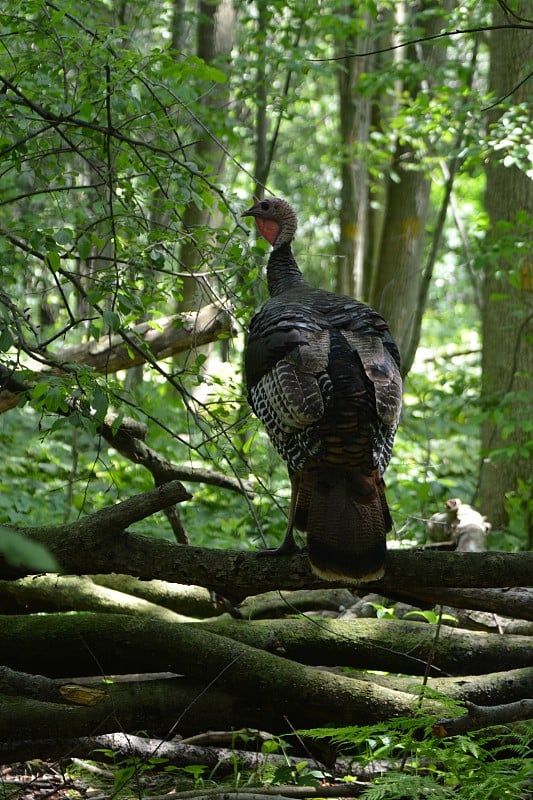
column 493, row 763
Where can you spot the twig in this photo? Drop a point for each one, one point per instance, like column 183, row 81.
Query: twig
column 421, row 39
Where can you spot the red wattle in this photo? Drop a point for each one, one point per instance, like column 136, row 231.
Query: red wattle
column 268, row 228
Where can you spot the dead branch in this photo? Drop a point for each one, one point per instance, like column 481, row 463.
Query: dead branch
column 128, row 440
column 390, row 645
column 108, row 522
column 189, row 600
column 483, row 717
column 181, row 754
column 114, row 644
column 491, row 688
column 252, row 677
column 49, row 592
column 461, row 524
column 157, row 339
column 99, row 544
column 509, row 602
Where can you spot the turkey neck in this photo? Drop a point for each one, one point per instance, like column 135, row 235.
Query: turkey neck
column 282, row 271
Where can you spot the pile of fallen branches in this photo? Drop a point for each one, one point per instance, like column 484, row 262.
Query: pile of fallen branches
column 218, row 648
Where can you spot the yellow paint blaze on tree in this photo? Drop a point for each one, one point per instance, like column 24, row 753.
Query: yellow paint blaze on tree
column 350, row 230
column 411, row 227
column 526, row 277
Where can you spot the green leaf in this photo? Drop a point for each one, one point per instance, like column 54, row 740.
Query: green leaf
column 39, row 390
column 100, row 403
column 21, row 551
column 6, row 339
column 53, row 259
column 84, row 247
column 112, row 320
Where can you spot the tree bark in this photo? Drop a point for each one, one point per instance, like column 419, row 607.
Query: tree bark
column 354, row 120
column 507, row 312
column 214, row 37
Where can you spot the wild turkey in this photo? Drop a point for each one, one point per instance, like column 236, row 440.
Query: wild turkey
column 322, row 372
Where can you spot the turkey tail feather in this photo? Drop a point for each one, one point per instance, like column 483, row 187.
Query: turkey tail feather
column 347, row 519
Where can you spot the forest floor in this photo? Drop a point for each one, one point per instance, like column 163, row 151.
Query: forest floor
column 42, row 780
column 39, row 779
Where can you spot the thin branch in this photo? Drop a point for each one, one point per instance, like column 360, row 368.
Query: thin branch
column 49, row 190
column 509, row 93
column 71, row 120
column 133, row 447
column 508, row 11
column 421, row 39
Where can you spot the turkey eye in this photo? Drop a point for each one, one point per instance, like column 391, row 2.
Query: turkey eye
column 265, row 205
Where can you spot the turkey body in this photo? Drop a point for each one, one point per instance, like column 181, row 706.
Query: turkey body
column 322, row 373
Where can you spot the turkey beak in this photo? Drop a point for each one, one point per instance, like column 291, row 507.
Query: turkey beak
column 252, row 212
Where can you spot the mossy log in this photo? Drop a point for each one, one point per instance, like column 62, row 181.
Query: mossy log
column 85, row 643
column 391, row 645
column 99, row 544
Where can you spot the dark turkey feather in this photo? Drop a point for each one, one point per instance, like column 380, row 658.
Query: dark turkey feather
column 322, row 372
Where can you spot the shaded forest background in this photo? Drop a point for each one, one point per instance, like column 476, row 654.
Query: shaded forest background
column 132, row 136
column 132, row 141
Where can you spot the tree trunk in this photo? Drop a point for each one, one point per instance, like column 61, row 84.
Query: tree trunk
column 215, row 31
column 262, row 160
column 354, row 118
column 507, row 313
column 402, row 247
column 397, row 280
